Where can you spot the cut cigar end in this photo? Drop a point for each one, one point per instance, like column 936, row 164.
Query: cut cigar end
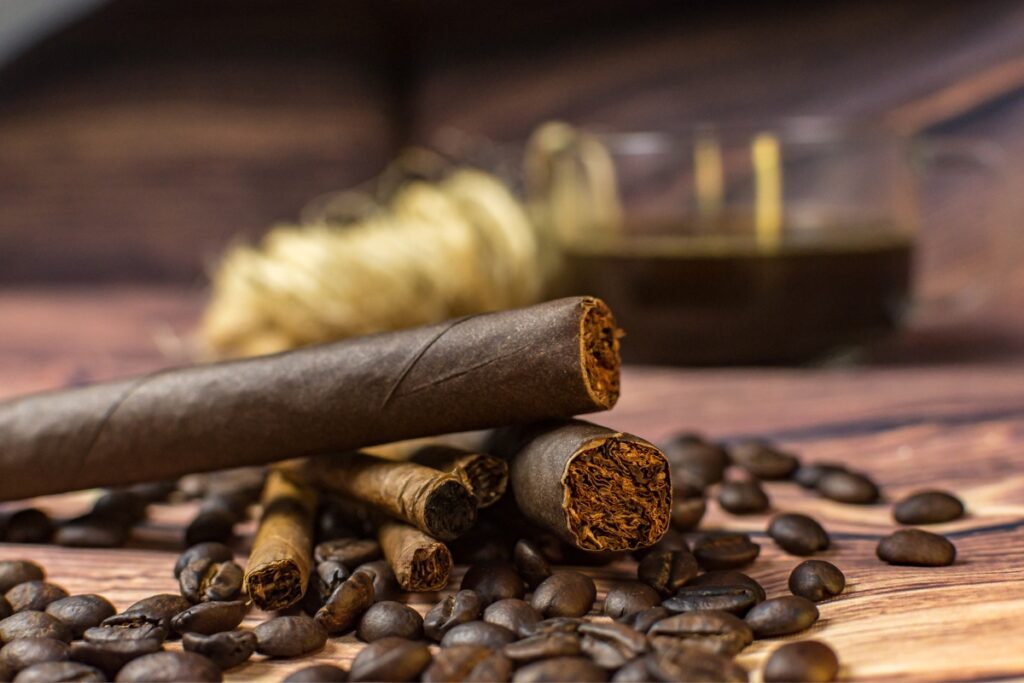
column 450, row 511
column 618, row 495
column 488, row 477
column 431, row 566
column 275, row 586
column 599, row 351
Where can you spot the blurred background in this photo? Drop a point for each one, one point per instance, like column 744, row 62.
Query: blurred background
column 140, row 140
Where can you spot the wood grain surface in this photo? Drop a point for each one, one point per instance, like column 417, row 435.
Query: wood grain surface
column 956, row 425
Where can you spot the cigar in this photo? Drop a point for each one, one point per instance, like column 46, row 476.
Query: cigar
column 556, row 359
column 278, row 570
column 437, row 503
column 420, row 563
column 486, row 475
column 595, row 488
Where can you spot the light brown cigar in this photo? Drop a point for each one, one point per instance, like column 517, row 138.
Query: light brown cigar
column 486, row 475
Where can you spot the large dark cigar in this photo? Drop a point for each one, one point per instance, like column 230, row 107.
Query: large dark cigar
column 486, row 475
column 553, row 360
column 596, row 488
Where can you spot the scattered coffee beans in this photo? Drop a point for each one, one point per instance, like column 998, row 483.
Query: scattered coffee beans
column 81, row 612
column 643, row 621
column 530, row 563
column 29, row 525
column 798, row 534
column 49, row 672
column 667, row 571
column 92, row 531
column 687, row 511
column 13, row 572
column 34, row 595
column 156, row 610
column 742, row 497
column 628, row 597
column 807, row 661
column 111, row 657
column 725, row 551
column 30, row 624
column 350, row 552
column 211, row 617
column 734, row 599
column 816, row 580
column 681, row 662
column 289, row 636
column 781, row 616
column 714, row 631
column 565, row 594
column 848, row 487
column 318, row 673
column 560, row 669
column 544, row 646
column 169, row 667
column 493, row 581
column 226, row 650
column 695, row 463
column 385, row 585
column 203, row 579
column 611, row 645
column 928, row 507
column 347, row 604
column 728, row 577
column 808, row 476
column 516, row 615
column 763, row 460
column 467, row 663
column 480, row 633
column 23, row 653
column 215, row 552
column 131, row 630
column 460, row 608
column 390, row 659
column 389, row 619
column 917, row 548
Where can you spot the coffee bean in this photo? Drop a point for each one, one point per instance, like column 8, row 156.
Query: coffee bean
column 632, row 672
column 665, row 571
column 808, row 660
column 781, row 616
column 848, row 487
column 13, row 572
column 29, row 525
column 330, row 574
column 226, row 650
column 480, row 633
column 203, row 580
column 385, row 585
column 52, row 672
column 493, row 581
column 628, row 597
column 611, row 645
column 390, row 659
column 390, row 619
column 289, row 636
column 725, row 551
column 672, row 541
column 169, row 667
column 460, row 608
column 131, row 630
column 347, row 604
column 157, row 610
column 714, row 631
column 798, row 534
column 92, row 531
column 728, row 577
column 687, row 512
column 516, row 615
column 30, row 624
column 350, row 552
column 734, row 599
column 215, row 522
column 916, row 548
column 694, row 462
column 681, row 662
column 560, row 669
column 544, row 647
column 808, row 476
column 928, row 507
column 5, row 608
column 816, row 580
column 80, row 612
column 318, row 673
column 556, row 625
column 211, row 617
column 643, row 621
column 530, row 563
column 34, row 595
column 111, row 657
column 154, row 491
column 763, row 460
column 565, row 594
column 468, row 663
column 123, row 505
column 742, row 497
column 23, row 653
column 213, row 551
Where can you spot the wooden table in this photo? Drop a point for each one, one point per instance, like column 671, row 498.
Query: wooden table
column 956, row 425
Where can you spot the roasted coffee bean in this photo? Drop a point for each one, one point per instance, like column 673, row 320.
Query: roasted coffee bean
column 728, row 577
column 137, row 630
column 34, row 595
column 493, row 581
column 388, row 619
column 713, row 630
column 347, row 604
column 92, row 531
column 798, row 534
column 628, row 597
column 350, row 551
column 226, row 650
column 643, row 621
column 564, row 594
column 680, row 662
column 468, row 663
column 31, row 624
column 781, row 616
column 460, row 608
column 203, row 580
column 215, row 522
column 153, row 491
column 480, row 633
column 530, row 563
column 390, row 659
column 611, row 645
column 560, row 669
column 13, row 572
column 816, row 580
column 672, row 541
column 543, row 647
column 80, row 612
column 516, row 615
column 169, row 667
column 808, row 476
column 848, row 487
column 667, row 571
column 30, row 525
column 725, row 551
column 5, row 608
column 916, row 548
column 556, row 625
column 694, row 462
column 318, row 673
column 52, row 672
column 735, row 599
column 23, row 653
column 385, row 585
column 808, row 661
column 742, row 497
column 330, row 574
column 763, row 460
column 687, row 512
column 213, row 551
column 211, row 617
column 121, row 505
column 632, row 672
column 156, row 609
column 289, row 636
column 111, row 657
column 928, row 507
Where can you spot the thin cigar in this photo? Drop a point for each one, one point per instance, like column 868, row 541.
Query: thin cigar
column 557, row 359
column 435, row 502
column 486, row 475
column 278, row 570
column 420, row 563
column 596, row 488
